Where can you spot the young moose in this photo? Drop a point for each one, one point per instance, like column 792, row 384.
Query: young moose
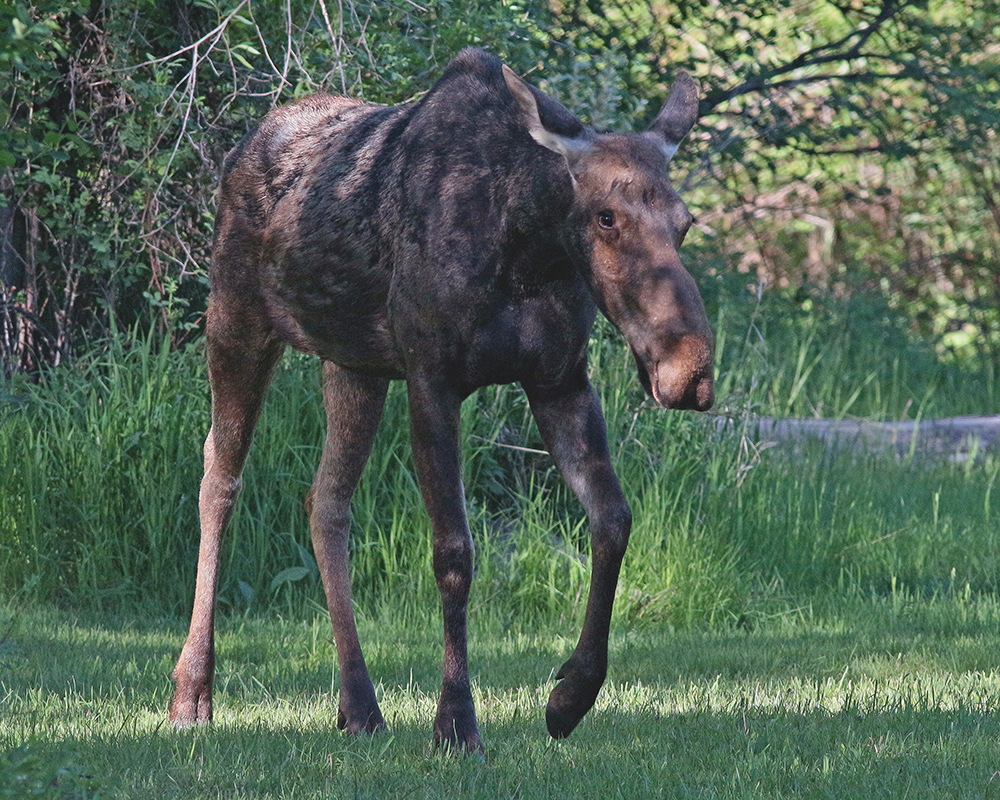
column 463, row 240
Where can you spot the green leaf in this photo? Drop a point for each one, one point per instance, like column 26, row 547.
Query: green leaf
column 246, row 590
column 288, row 576
column 307, row 559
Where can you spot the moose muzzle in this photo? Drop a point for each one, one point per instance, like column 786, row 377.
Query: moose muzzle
column 681, row 376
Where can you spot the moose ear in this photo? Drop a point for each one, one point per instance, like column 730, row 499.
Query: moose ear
column 547, row 120
column 678, row 115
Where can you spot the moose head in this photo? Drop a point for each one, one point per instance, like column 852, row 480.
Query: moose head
column 625, row 229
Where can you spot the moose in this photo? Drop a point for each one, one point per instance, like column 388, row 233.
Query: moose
column 461, row 240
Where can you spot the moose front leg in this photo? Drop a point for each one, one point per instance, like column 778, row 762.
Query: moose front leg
column 434, row 431
column 573, row 429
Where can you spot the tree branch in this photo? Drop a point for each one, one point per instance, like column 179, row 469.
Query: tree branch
column 828, row 53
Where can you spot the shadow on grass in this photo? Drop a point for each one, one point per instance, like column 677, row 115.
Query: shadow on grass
column 880, row 699
column 99, row 657
column 738, row 752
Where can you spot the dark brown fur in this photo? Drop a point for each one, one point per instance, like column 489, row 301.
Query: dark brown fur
column 464, row 240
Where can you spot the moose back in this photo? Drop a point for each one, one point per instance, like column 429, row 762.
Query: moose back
column 463, row 240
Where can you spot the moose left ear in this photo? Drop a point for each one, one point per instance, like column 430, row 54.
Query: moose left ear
column 678, row 115
column 547, row 120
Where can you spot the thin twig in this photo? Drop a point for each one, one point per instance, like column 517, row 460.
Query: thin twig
column 218, row 29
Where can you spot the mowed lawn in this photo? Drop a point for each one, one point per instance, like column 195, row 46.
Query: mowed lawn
column 849, row 697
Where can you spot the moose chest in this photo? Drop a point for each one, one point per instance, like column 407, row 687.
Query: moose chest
column 489, row 332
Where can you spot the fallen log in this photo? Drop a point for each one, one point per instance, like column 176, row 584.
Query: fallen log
column 956, row 439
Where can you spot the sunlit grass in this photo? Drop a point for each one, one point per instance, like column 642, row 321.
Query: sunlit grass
column 876, row 697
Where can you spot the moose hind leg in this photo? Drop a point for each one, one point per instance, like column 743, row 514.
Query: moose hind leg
column 239, row 373
column 573, row 428
column 354, row 404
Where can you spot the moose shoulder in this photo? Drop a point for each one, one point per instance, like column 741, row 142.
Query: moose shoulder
column 463, row 240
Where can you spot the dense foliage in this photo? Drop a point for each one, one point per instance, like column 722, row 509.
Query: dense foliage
column 842, row 146
column 116, row 118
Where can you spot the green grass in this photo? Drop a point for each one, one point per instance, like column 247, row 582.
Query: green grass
column 876, row 696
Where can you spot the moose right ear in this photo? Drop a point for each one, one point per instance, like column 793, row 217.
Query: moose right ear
column 548, row 121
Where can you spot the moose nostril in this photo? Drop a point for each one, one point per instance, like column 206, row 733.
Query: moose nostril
column 699, row 396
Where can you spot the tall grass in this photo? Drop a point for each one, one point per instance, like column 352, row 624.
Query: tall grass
column 101, row 463
column 97, row 500
column 814, row 355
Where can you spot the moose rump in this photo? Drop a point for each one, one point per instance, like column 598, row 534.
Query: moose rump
column 464, row 240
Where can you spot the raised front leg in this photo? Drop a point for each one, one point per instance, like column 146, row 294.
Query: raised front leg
column 354, row 405
column 434, row 425
column 240, row 372
column 573, row 429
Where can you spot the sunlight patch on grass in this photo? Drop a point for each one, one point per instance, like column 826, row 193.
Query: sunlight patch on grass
column 878, row 698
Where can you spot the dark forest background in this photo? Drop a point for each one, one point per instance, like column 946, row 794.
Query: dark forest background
column 846, row 148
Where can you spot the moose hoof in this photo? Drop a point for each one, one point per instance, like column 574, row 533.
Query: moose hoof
column 357, row 711
column 455, row 728
column 188, row 711
column 358, row 724
column 571, row 699
column 458, row 738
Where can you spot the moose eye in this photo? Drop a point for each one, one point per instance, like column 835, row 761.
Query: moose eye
column 606, row 219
